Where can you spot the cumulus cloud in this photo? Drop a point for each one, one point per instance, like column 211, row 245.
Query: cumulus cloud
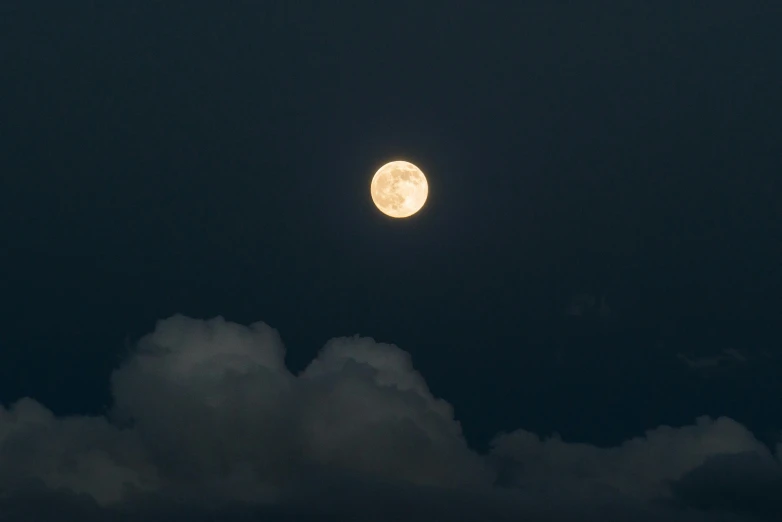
column 742, row 483
column 78, row 454
column 641, row 469
column 208, row 422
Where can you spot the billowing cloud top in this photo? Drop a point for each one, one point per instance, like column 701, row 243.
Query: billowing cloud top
column 208, row 420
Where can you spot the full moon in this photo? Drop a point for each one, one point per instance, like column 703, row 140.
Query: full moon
column 399, row 189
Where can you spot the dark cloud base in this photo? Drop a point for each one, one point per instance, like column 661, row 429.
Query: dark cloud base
column 209, row 424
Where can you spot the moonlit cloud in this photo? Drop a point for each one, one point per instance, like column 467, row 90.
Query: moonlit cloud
column 590, row 307
column 726, row 356
column 208, row 420
column 642, row 468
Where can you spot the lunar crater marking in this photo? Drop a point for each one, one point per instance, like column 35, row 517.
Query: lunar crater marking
column 399, row 189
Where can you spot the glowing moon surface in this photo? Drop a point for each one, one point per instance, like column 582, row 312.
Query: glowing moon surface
column 399, row 189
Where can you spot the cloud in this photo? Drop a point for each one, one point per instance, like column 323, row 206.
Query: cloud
column 208, row 423
column 214, row 401
column 590, row 307
column 79, row 454
column 641, row 469
column 741, row 483
column 727, row 356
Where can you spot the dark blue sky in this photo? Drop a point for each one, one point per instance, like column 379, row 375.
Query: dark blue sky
column 207, row 159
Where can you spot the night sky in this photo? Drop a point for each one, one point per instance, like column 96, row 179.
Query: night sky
column 582, row 323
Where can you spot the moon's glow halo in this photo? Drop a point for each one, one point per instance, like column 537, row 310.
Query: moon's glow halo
column 399, row 189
